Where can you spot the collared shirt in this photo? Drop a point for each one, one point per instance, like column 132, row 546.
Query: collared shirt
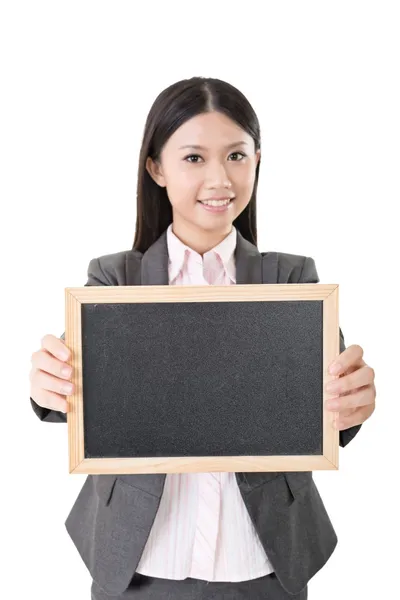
column 202, row 528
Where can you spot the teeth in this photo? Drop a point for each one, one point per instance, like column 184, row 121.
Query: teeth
column 216, row 202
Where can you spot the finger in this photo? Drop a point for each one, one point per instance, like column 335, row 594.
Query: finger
column 51, row 400
column 47, row 382
column 352, row 381
column 347, row 412
column 55, row 346
column 352, row 355
column 362, row 397
column 44, row 361
column 356, row 418
column 353, row 368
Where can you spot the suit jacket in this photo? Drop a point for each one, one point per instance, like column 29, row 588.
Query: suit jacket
column 112, row 516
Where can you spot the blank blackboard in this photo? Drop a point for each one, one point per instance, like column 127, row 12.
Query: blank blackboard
column 184, row 379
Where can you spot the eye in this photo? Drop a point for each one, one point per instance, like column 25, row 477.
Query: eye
column 238, row 154
column 192, row 156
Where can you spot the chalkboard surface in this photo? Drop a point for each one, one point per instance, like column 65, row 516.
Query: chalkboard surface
column 202, row 379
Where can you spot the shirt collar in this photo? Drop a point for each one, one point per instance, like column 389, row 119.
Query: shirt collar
column 177, row 252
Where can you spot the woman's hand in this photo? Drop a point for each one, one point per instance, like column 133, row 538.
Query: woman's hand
column 50, row 374
column 354, row 391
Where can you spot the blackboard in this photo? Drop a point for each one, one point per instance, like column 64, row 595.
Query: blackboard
column 208, row 378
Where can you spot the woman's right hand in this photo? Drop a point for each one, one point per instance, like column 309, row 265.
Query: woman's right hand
column 47, row 377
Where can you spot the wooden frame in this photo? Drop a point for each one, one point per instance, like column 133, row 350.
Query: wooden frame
column 75, row 297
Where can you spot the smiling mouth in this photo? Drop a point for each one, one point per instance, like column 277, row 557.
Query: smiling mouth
column 222, row 202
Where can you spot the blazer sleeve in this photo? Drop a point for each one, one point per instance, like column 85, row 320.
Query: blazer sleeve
column 96, row 276
column 309, row 274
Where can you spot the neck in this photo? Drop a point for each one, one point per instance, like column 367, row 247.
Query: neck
column 200, row 240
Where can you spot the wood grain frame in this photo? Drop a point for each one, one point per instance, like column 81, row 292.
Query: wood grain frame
column 75, row 297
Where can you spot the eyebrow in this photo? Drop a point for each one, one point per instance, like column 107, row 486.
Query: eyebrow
column 197, row 147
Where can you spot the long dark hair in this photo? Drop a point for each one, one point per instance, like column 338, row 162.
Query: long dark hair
column 175, row 105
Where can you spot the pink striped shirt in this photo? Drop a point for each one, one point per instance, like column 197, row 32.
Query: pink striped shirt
column 202, row 528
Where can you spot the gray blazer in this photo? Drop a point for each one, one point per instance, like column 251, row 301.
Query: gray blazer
column 112, row 516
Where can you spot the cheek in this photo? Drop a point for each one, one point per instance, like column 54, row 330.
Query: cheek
column 183, row 188
column 243, row 181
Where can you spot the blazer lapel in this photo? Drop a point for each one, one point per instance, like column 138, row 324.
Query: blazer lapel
column 248, row 262
column 154, row 269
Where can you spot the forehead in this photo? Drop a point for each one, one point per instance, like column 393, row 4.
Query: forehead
column 209, row 130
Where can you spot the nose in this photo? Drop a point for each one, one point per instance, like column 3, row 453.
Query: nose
column 217, row 176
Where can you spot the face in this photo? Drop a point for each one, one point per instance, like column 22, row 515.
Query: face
column 209, row 156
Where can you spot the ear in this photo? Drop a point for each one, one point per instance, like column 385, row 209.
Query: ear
column 258, row 156
column 155, row 171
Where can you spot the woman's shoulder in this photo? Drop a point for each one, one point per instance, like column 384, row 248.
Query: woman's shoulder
column 291, row 268
column 111, row 269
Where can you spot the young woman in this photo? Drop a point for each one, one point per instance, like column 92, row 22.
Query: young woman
column 201, row 535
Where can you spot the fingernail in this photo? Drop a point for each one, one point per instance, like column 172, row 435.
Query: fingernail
column 66, row 389
column 66, row 371
column 335, row 369
column 332, row 386
column 63, row 355
column 332, row 405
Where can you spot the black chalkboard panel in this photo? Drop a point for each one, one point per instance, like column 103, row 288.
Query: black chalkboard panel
column 202, row 379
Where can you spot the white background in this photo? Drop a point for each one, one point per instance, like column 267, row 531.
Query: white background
column 77, row 80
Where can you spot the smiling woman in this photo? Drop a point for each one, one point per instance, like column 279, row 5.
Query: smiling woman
column 218, row 179
column 218, row 534
column 201, row 144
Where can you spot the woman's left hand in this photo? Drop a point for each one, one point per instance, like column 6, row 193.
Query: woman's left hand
column 354, row 391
